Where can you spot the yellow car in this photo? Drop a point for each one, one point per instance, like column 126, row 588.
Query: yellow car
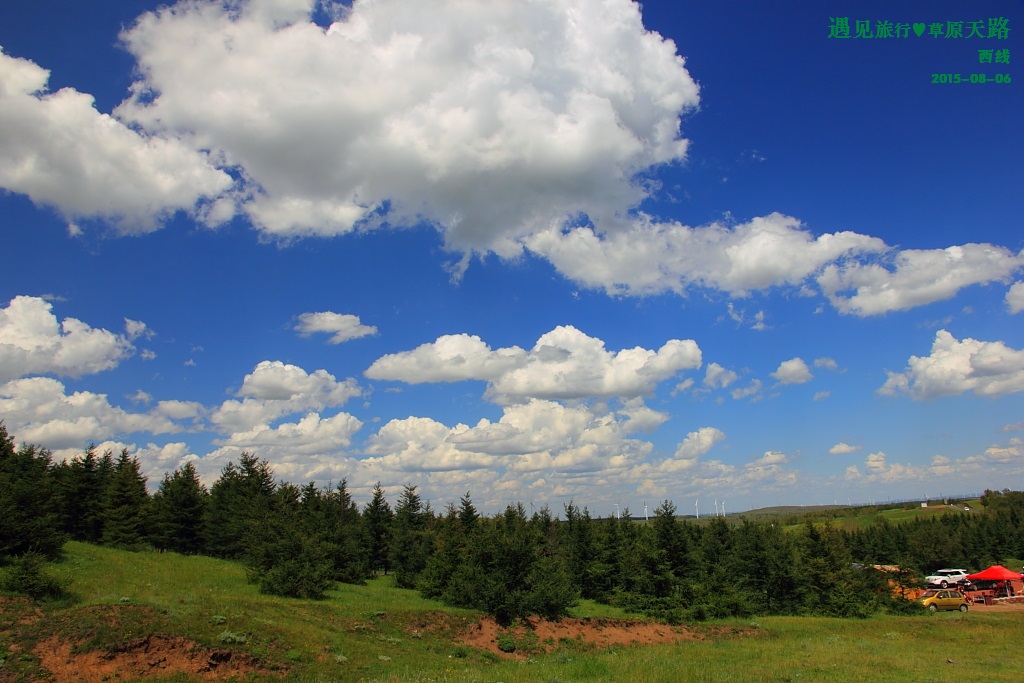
column 935, row 600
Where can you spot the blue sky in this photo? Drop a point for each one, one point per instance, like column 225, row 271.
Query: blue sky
column 536, row 251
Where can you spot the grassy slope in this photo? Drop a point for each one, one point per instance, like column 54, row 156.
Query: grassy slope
column 380, row 633
column 852, row 519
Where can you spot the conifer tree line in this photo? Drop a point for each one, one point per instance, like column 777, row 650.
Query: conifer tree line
column 297, row 541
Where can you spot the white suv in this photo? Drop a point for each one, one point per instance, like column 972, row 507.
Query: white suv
column 947, row 577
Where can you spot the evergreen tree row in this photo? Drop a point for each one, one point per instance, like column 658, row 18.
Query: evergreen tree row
column 297, row 541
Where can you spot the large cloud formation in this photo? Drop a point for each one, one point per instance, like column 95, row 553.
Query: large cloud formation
column 32, row 341
column 60, row 151
column 40, row 410
column 652, row 257
column 565, row 363
column 510, row 126
column 958, row 366
column 492, row 120
column 275, row 389
column 916, row 277
column 533, row 436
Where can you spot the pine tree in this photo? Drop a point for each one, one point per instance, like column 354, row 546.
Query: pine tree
column 670, row 538
column 643, row 566
column 349, row 542
column 832, row 583
column 282, row 556
column 179, row 509
column 29, row 522
column 81, row 486
column 448, row 553
column 605, row 565
column 126, row 506
column 239, row 501
column 410, row 546
column 467, row 512
column 764, row 561
column 330, row 516
column 510, row 568
column 377, row 517
column 551, row 590
column 580, row 549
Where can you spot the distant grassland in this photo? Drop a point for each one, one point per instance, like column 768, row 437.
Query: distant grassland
column 380, row 633
column 853, row 518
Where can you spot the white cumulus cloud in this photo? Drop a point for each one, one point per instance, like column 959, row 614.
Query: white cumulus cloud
column 310, row 435
column 959, row 366
column 793, row 371
column 651, row 257
column 564, row 363
column 491, row 120
column 827, row 363
column 61, row 152
column 698, row 443
column 751, row 391
column 341, row 326
column 1015, row 297
column 718, row 377
column 509, row 126
column 533, row 436
column 275, row 389
column 33, row 341
column 39, row 410
column 180, row 410
column 916, row 277
column 451, row 358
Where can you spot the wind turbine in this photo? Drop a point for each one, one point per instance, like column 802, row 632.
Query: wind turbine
column 617, row 511
column 716, row 507
column 696, row 507
column 723, row 507
column 646, row 518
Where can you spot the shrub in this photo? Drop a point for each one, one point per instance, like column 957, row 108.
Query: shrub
column 229, row 638
column 296, row 579
column 506, row 644
column 27, row 575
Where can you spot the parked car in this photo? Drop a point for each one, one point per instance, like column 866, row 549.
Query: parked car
column 947, row 577
column 949, row 598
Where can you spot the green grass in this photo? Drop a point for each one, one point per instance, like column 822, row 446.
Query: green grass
column 379, row 633
column 856, row 518
column 589, row 609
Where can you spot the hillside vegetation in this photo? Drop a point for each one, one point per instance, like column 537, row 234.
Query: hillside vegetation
column 850, row 518
column 301, row 542
column 262, row 578
column 378, row 632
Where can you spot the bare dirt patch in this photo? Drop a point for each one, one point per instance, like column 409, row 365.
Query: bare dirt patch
column 543, row 635
column 150, row 657
column 98, row 643
column 18, row 612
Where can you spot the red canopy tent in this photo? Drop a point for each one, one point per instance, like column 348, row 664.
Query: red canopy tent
column 1005, row 581
column 996, row 572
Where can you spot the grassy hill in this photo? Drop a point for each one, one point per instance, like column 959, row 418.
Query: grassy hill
column 160, row 607
column 852, row 518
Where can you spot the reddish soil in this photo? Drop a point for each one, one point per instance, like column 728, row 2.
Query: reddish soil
column 154, row 656
column 595, row 633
